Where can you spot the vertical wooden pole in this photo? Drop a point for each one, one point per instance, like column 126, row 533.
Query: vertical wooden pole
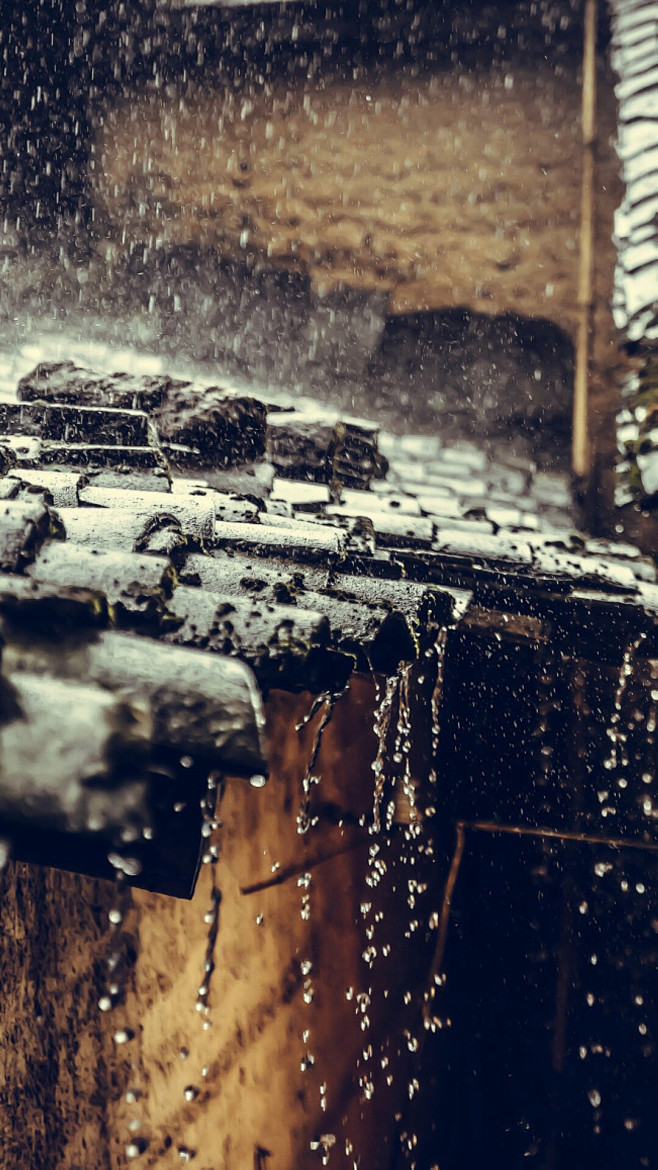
column 580, row 450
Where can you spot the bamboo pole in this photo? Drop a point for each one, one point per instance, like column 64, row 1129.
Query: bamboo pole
column 580, row 449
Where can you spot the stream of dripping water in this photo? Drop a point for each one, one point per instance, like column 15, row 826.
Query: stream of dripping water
column 615, row 733
column 407, row 731
column 209, row 803
column 649, row 762
column 381, row 724
column 435, row 701
column 325, row 703
column 403, row 808
column 114, row 995
column 328, row 701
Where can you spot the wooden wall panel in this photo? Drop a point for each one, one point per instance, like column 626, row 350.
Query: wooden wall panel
column 63, row 1102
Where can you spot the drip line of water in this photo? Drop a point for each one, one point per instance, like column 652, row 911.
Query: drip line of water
column 330, row 699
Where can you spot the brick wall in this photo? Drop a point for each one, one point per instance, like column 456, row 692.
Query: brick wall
column 455, row 187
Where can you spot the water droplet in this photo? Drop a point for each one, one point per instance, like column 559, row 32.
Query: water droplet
column 131, row 866
column 601, row 868
column 136, row 1148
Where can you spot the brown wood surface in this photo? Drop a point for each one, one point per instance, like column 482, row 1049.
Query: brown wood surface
column 63, row 1096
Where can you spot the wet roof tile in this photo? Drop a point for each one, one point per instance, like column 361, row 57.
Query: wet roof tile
column 188, row 596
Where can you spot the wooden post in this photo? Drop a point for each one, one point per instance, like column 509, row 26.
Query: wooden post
column 580, row 451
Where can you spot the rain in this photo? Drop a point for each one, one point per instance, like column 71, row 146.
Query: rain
column 328, row 587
